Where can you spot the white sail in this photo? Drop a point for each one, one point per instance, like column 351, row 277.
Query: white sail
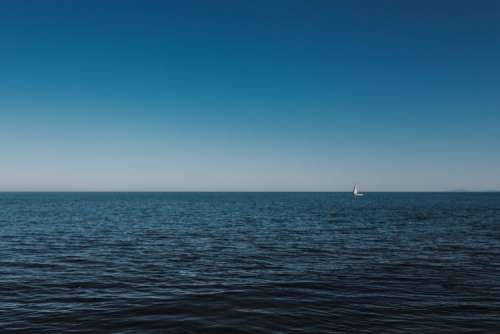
column 355, row 191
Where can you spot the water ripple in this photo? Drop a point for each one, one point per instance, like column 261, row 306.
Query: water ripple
column 249, row 263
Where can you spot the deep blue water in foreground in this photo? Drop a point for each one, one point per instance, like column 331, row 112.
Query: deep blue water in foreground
column 249, row 262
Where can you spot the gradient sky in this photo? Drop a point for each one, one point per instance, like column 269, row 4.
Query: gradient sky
column 249, row 95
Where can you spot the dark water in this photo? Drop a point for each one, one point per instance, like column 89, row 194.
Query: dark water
column 249, row 263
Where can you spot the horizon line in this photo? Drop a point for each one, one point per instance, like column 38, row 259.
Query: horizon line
column 246, row 191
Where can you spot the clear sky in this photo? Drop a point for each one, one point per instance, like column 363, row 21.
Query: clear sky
column 249, row 95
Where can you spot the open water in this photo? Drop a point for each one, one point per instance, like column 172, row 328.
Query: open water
column 249, row 263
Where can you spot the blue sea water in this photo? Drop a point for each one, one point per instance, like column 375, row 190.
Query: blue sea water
column 249, row 263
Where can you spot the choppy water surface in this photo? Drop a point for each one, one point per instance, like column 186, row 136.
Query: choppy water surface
column 249, row 262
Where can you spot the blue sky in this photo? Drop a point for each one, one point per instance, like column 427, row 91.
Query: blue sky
column 249, row 95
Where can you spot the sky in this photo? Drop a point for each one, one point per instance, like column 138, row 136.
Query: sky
column 249, row 95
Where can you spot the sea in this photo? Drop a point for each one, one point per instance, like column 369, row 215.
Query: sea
column 249, row 263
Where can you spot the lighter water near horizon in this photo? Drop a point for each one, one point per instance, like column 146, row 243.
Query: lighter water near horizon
column 249, row 262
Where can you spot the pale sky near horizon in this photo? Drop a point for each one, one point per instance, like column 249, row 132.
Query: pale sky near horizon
column 249, row 95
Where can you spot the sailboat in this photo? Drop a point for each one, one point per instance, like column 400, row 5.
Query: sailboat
column 355, row 191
